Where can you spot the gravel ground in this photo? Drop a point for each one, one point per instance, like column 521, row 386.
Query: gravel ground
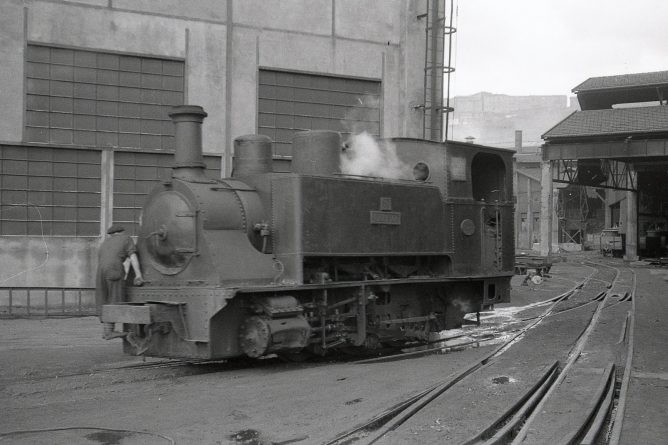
column 59, row 374
column 269, row 403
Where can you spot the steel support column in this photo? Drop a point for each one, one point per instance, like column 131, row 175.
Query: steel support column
column 631, row 251
column 546, row 208
column 555, row 220
column 518, row 219
column 529, row 214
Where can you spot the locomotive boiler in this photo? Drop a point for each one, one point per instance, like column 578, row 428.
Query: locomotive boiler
column 270, row 262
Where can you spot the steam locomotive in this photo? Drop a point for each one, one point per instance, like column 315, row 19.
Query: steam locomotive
column 316, row 259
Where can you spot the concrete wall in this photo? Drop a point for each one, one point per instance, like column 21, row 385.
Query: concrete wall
column 381, row 40
column 48, row 261
column 224, row 44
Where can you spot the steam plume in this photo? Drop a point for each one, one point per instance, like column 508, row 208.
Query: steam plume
column 364, row 156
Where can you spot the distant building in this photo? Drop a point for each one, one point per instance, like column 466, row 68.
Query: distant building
column 491, row 119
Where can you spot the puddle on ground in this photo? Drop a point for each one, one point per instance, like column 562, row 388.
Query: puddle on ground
column 108, row 437
column 500, row 380
column 248, row 437
column 503, row 380
column 85, row 435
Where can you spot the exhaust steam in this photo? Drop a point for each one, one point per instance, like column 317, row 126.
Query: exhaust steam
column 363, row 155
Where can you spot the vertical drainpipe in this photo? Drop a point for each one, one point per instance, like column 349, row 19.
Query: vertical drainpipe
column 188, row 62
column 24, row 115
column 226, row 160
column 381, row 124
column 332, row 56
column 435, row 116
column 107, row 190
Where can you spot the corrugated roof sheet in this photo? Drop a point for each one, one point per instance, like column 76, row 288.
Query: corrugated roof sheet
column 612, row 122
column 623, row 81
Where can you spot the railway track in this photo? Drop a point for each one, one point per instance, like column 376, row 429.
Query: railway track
column 585, row 379
column 472, row 337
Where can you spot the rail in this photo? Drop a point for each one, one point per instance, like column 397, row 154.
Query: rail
column 525, row 419
column 18, row 302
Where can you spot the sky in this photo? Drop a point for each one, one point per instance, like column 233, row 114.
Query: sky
column 544, row 47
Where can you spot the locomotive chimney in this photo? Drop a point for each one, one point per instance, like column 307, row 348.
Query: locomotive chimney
column 188, row 159
column 518, row 141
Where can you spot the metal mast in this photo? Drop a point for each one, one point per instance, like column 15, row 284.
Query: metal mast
column 435, row 69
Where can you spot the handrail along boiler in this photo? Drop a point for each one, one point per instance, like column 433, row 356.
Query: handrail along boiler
column 266, row 262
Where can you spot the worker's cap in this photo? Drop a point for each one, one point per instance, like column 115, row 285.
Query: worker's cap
column 116, row 228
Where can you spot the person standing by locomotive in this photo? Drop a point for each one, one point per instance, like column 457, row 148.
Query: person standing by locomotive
column 117, row 253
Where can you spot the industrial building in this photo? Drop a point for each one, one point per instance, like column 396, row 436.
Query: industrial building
column 616, row 147
column 86, row 86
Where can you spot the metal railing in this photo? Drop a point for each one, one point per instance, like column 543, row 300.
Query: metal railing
column 17, row 302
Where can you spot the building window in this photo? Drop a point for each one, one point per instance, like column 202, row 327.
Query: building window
column 291, row 102
column 136, row 174
column 90, row 98
column 49, row 191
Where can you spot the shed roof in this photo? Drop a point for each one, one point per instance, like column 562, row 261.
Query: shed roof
column 657, row 78
column 615, row 122
column 597, row 93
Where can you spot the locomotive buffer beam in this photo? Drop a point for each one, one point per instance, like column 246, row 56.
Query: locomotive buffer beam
column 171, row 313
